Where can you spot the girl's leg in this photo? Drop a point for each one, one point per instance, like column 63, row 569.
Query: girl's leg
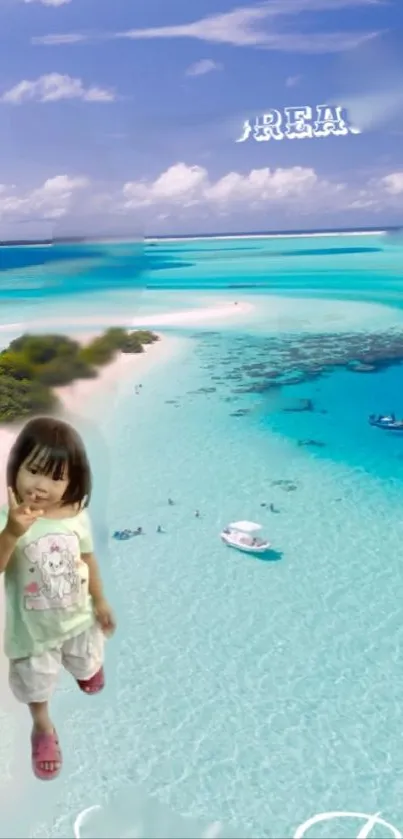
column 40, row 717
column 83, row 657
column 32, row 681
column 46, row 755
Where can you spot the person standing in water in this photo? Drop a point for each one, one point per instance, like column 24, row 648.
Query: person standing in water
column 56, row 614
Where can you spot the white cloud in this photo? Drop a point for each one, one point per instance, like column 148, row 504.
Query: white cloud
column 186, row 191
column 200, row 68
column 293, row 81
column 52, row 200
column 296, row 7
column 189, row 186
column 55, row 40
column 54, row 87
column 242, row 27
column 297, row 189
column 393, row 183
column 263, row 185
column 256, row 26
column 180, row 183
column 49, row 2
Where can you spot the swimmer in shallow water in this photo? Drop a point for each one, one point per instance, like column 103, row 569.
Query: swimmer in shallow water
column 122, row 534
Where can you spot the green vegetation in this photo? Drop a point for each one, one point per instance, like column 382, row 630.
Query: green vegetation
column 34, row 364
column 19, row 399
column 102, row 349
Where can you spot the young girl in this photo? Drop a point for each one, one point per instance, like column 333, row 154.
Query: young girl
column 56, row 613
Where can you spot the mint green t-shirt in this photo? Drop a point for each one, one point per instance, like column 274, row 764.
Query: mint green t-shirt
column 46, row 585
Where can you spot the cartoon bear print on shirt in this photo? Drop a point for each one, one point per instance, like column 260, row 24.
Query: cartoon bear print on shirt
column 55, row 557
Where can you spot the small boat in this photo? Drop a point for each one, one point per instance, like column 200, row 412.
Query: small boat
column 387, row 422
column 239, row 535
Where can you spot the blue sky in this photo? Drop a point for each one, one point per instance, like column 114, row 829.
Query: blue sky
column 123, row 116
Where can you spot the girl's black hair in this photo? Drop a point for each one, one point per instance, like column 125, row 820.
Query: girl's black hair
column 52, row 445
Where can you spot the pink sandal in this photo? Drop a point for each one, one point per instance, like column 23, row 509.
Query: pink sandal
column 45, row 749
column 93, row 685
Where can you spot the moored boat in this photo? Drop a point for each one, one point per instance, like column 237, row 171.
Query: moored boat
column 387, row 422
column 241, row 536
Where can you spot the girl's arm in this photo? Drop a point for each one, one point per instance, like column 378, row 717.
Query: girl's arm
column 7, row 546
column 102, row 610
column 95, row 583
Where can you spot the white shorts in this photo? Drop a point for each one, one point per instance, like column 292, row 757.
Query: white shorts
column 34, row 679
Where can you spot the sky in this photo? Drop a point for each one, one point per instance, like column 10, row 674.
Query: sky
column 123, row 117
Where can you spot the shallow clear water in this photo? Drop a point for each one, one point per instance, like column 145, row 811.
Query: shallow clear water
column 255, row 692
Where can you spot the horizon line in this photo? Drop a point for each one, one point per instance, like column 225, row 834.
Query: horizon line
column 189, row 236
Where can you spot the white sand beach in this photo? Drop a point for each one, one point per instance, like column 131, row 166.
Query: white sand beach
column 86, row 397
column 224, row 311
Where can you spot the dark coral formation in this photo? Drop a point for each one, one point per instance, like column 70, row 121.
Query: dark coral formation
column 240, row 367
column 266, row 364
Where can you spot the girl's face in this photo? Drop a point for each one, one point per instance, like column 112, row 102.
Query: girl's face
column 37, row 489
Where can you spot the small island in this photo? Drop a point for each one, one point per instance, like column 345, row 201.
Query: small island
column 33, row 365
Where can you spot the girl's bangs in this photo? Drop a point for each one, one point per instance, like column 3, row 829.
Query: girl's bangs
column 50, row 462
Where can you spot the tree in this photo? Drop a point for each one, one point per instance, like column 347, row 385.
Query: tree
column 145, row 336
column 63, row 371
column 132, row 344
column 40, row 349
column 16, row 365
column 116, row 336
column 20, row 399
column 99, row 352
column 33, row 364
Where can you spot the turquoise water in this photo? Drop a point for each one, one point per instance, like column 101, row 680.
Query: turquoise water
column 258, row 693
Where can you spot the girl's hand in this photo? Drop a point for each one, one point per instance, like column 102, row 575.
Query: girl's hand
column 104, row 616
column 20, row 516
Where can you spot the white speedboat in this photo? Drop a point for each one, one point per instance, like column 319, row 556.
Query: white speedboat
column 387, row 422
column 240, row 535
